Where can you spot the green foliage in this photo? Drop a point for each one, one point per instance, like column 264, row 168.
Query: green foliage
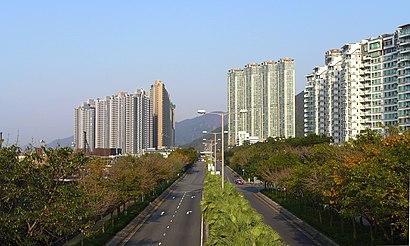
column 366, row 177
column 230, row 218
column 40, row 200
column 188, row 156
column 46, row 196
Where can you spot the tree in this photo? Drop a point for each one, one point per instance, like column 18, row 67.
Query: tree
column 100, row 198
column 40, row 199
column 187, row 156
column 374, row 183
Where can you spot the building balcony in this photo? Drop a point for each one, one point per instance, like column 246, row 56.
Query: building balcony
column 404, row 42
column 404, row 33
column 366, row 58
column 403, row 59
column 403, row 76
column 404, row 51
column 364, row 73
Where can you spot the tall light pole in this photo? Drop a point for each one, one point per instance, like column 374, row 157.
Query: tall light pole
column 214, row 133
column 201, row 111
column 205, row 140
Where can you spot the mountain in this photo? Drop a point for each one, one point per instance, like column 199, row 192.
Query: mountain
column 299, row 115
column 189, row 130
column 198, row 143
column 65, row 142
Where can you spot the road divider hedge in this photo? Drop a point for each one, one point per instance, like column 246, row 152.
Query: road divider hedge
column 230, row 219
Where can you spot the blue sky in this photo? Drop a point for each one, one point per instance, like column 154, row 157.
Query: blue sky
column 56, row 54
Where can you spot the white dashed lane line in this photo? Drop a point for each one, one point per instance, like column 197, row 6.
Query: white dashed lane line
column 173, row 216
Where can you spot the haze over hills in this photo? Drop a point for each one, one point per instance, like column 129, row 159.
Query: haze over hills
column 65, row 142
column 188, row 130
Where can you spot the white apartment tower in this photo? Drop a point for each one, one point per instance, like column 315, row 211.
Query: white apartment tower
column 84, row 126
column 122, row 121
column 102, row 125
column 403, row 76
column 362, row 85
column 261, row 100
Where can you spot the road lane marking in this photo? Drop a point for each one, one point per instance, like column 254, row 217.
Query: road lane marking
column 202, row 229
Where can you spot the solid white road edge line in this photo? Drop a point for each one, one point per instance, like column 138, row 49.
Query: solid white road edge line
column 202, row 230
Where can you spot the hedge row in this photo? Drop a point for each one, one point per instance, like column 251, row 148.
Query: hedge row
column 230, row 219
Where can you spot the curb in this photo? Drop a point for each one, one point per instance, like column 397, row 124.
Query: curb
column 123, row 236
column 313, row 234
column 305, row 228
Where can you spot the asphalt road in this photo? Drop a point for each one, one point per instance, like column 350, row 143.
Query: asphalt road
column 288, row 232
column 177, row 221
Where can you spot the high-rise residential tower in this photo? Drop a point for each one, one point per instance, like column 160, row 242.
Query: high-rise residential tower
column 84, row 126
column 122, row 121
column 362, row 85
column 261, row 100
column 163, row 116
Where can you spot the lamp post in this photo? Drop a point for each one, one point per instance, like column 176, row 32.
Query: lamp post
column 214, row 133
column 201, row 111
column 205, row 140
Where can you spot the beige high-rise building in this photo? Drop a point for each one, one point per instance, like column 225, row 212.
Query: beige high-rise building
column 163, row 116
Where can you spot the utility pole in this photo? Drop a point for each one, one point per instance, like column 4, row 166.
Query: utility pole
column 1, row 139
column 85, row 142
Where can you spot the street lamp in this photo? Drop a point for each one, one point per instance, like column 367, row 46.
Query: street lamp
column 206, row 145
column 214, row 133
column 202, row 111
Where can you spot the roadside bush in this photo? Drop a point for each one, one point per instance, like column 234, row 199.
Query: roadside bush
column 230, row 218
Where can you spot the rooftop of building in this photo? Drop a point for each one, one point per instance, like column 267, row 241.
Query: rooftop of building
column 404, row 25
column 334, row 51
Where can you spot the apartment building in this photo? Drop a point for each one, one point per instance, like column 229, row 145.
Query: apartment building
column 121, row 121
column 261, row 100
column 362, row 85
column 163, row 116
column 84, row 126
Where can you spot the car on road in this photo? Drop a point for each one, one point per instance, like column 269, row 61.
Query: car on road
column 239, row 181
